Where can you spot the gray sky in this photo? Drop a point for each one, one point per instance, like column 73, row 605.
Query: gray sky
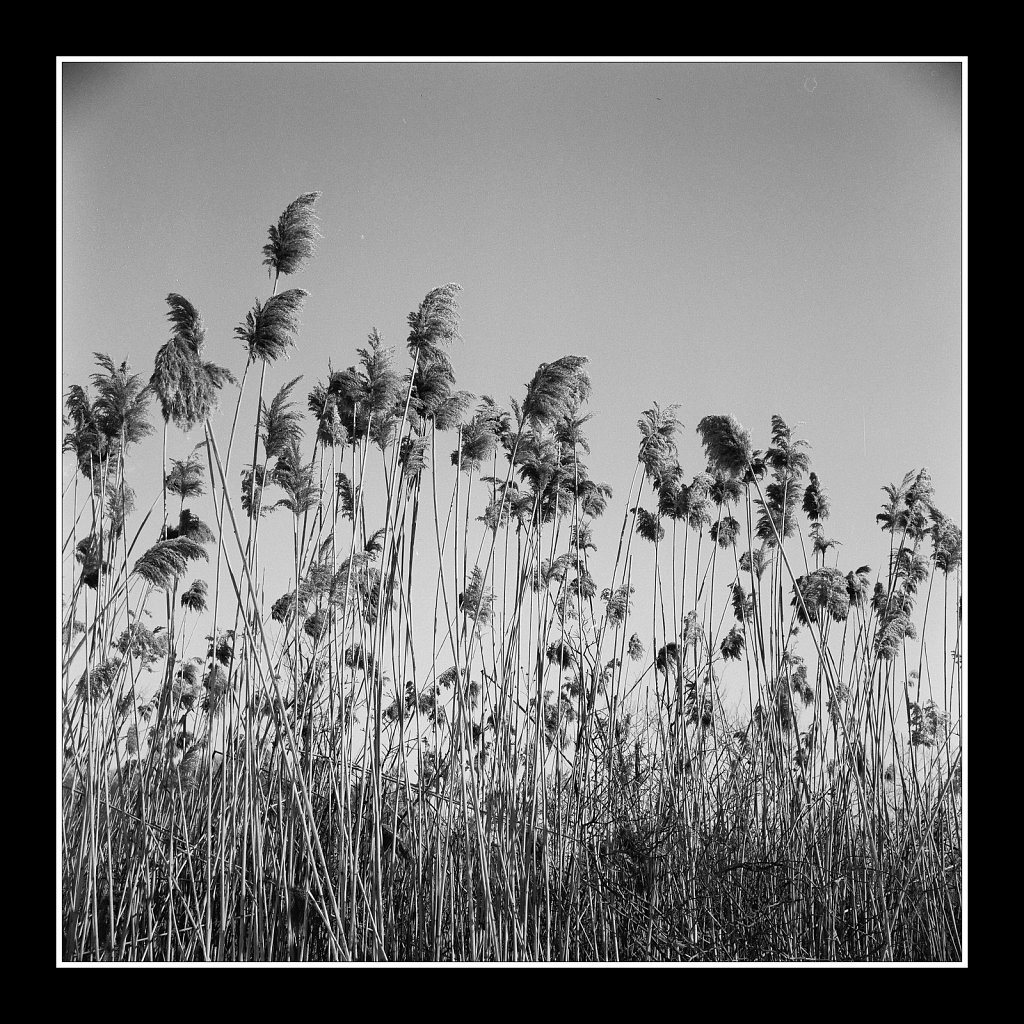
column 738, row 238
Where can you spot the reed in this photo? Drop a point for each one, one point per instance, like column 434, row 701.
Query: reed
column 535, row 765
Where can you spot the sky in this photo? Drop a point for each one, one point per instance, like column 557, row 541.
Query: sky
column 742, row 238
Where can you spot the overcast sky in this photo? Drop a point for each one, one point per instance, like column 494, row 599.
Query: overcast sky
column 737, row 238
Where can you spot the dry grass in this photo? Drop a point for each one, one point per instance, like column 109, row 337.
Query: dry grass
column 559, row 780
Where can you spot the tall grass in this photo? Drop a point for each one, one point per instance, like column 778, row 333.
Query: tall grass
column 536, row 765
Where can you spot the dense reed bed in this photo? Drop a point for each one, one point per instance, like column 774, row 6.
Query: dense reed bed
column 448, row 740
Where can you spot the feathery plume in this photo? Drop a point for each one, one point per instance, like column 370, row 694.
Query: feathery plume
column 293, row 239
column 270, row 328
column 435, row 322
column 726, row 444
column 194, row 598
column 163, row 563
